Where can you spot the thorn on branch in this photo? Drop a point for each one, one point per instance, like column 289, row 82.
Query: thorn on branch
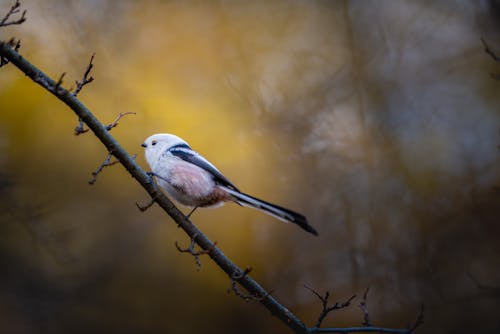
column 237, row 275
column 13, row 10
column 59, row 82
column 196, row 254
column 106, row 163
column 117, row 120
column 364, row 307
column 327, row 309
column 79, row 129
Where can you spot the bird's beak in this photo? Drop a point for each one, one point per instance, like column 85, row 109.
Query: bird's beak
column 144, row 145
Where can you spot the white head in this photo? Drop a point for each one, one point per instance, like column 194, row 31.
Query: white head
column 158, row 143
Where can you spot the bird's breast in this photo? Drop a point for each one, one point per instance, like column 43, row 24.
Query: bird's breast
column 190, row 184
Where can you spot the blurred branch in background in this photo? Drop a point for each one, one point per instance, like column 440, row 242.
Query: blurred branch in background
column 493, row 55
column 8, row 53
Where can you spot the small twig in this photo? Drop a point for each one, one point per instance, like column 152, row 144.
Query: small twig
column 364, row 307
column 106, row 163
column 327, row 309
column 237, row 275
column 482, row 286
column 85, row 79
column 196, row 254
column 79, row 129
column 419, row 321
column 13, row 10
column 489, row 51
column 143, row 208
column 117, row 120
column 59, row 82
column 493, row 55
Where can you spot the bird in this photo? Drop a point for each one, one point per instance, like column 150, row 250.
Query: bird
column 193, row 181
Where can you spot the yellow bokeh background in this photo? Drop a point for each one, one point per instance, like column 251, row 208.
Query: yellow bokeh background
column 377, row 120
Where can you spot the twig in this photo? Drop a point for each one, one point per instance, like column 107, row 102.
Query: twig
column 237, row 275
column 493, row 55
column 364, row 307
column 85, row 79
column 489, row 51
column 106, row 163
column 58, row 84
column 117, row 119
column 13, row 10
column 79, row 129
column 327, row 309
column 481, row 286
column 196, row 254
column 419, row 321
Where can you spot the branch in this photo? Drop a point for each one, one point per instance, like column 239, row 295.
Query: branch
column 327, row 309
column 196, row 254
column 361, row 330
column 254, row 288
column 106, row 163
column 118, row 118
column 364, row 307
column 367, row 327
column 86, row 79
column 237, row 275
column 489, row 51
column 79, row 85
column 12, row 43
column 13, row 10
column 493, row 55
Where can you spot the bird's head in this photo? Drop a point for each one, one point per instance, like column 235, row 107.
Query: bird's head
column 157, row 144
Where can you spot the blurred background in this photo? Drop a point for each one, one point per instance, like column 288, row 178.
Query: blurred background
column 379, row 120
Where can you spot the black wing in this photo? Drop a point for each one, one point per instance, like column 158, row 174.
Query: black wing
column 185, row 153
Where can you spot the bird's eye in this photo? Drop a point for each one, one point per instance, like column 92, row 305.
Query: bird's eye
column 153, row 142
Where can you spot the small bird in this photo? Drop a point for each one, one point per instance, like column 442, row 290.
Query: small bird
column 193, row 181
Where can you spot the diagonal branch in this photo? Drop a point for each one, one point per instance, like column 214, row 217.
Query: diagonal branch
column 146, row 181
column 112, row 145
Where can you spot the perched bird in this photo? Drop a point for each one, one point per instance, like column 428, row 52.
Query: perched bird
column 193, row 181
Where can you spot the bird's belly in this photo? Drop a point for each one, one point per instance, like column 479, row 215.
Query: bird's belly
column 192, row 186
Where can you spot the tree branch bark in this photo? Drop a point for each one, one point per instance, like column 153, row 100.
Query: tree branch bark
column 8, row 51
column 112, row 145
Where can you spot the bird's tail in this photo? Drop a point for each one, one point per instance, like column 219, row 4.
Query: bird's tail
column 271, row 209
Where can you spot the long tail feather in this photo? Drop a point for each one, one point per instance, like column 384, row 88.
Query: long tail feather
column 274, row 210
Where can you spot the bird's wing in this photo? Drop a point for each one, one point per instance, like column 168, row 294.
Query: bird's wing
column 185, row 153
